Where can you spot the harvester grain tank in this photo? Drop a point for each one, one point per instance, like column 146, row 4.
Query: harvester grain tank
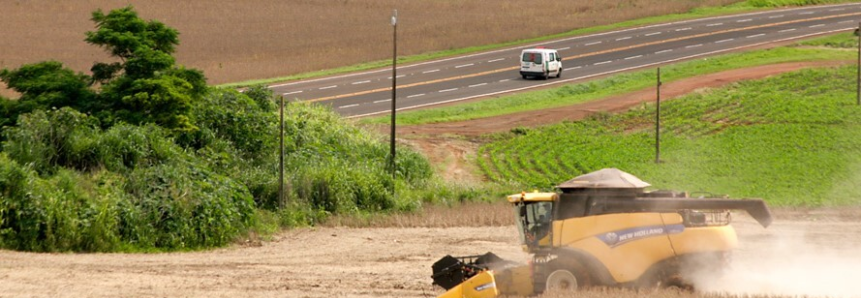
column 604, row 229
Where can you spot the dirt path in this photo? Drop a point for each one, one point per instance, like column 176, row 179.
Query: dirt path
column 818, row 246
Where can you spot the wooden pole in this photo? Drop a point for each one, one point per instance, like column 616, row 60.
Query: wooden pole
column 281, row 158
column 658, row 121
column 394, row 93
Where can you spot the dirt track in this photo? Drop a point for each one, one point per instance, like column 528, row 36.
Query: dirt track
column 817, row 246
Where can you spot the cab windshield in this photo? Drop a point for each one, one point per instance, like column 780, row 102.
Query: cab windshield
column 533, row 221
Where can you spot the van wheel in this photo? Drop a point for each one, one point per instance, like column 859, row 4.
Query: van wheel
column 559, row 73
column 524, row 76
column 545, row 76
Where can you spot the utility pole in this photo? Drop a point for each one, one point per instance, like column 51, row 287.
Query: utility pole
column 858, row 79
column 394, row 92
column 281, row 158
column 658, row 121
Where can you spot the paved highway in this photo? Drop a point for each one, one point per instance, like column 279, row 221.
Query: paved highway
column 496, row 72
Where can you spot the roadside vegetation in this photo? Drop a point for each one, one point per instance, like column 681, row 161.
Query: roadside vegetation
column 141, row 155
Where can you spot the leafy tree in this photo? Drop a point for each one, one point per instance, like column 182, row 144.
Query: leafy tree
column 146, row 86
column 43, row 86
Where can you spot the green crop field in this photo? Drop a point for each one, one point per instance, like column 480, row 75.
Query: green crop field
column 792, row 140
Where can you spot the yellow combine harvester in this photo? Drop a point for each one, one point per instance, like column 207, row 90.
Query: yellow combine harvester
column 604, row 229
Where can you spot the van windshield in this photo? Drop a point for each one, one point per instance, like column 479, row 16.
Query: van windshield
column 532, row 57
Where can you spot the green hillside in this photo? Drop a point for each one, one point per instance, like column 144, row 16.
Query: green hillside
column 793, row 140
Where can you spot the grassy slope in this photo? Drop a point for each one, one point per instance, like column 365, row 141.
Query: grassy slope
column 792, row 139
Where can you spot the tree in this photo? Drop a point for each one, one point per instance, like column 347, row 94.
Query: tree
column 43, row 86
column 146, row 86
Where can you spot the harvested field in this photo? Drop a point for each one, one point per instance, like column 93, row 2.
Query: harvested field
column 805, row 252
column 240, row 40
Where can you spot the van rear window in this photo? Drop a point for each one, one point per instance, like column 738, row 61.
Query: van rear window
column 532, row 57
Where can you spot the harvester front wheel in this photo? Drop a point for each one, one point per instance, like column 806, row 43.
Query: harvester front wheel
column 567, row 274
column 561, row 280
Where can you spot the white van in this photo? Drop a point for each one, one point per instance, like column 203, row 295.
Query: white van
column 540, row 62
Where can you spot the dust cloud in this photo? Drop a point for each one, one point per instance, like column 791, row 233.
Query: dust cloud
column 794, row 258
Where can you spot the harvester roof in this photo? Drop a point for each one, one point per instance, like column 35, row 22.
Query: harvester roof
column 604, row 178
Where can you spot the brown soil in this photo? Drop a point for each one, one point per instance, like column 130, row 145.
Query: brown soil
column 395, row 262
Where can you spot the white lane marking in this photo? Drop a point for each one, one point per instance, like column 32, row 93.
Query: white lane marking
column 495, row 60
column 755, row 35
column 328, row 87
column 715, row 24
column 623, row 38
column 633, row 57
column 745, row 20
column 465, row 65
column 599, row 73
column 725, row 40
column 576, row 67
column 294, row 92
column 693, row 46
column 447, row 90
column 786, row 30
column 836, row 9
column 684, row 29
column 400, row 76
column 361, row 82
column 653, row 33
column 844, row 22
column 814, row 26
column 562, row 49
column 776, row 17
column 416, row 95
column 476, row 85
column 384, row 100
column 349, row 106
column 664, row 51
column 505, row 80
column 605, row 62
column 593, row 43
column 430, row 71
column 805, row 12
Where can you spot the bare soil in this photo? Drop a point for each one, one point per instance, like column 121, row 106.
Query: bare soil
column 395, row 262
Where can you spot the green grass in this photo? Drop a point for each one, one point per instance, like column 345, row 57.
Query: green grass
column 613, row 85
column 793, row 140
column 846, row 40
column 740, row 7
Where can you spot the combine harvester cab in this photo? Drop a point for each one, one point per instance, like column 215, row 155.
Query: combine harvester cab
column 604, row 229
